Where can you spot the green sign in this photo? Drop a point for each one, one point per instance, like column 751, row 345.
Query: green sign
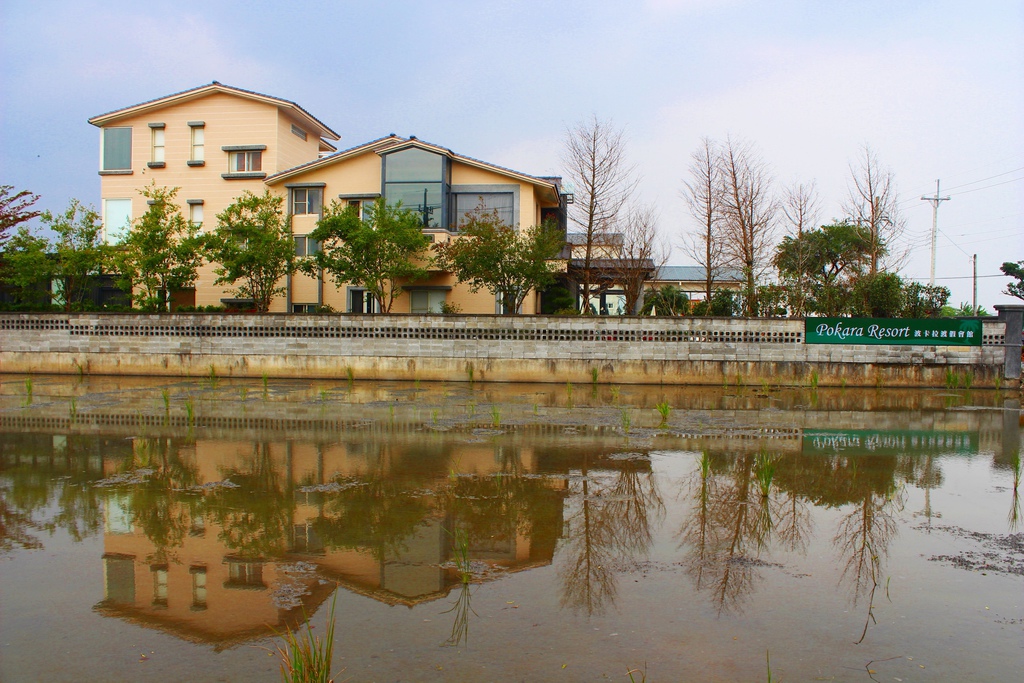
column 931, row 332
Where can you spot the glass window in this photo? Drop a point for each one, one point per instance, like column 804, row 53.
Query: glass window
column 119, row 579
column 306, row 200
column 117, row 149
column 157, row 156
column 198, row 588
column 305, row 246
column 246, row 162
column 245, row 573
column 198, row 143
column 416, row 178
column 117, row 218
column 195, row 214
column 159, row 586
column 468, row 203
column 427, row 300
column 361, row 206
column 423, row 198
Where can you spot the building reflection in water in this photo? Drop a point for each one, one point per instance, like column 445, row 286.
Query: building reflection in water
column 217, row 541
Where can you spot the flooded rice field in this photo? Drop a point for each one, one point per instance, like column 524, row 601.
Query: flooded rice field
column 165, row 530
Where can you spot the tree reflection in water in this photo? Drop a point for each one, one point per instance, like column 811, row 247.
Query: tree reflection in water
column 730, row 524
column 608, row 521
column 160, row 507
column 43, row 471
column 255, row 516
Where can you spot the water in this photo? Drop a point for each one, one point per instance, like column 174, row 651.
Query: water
column 173, row 530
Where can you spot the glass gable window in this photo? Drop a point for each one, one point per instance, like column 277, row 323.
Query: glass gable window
column 469, row 203
column 117, row 149
column 418, row 179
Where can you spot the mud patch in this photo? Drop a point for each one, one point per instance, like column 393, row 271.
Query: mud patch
column 1001, row 554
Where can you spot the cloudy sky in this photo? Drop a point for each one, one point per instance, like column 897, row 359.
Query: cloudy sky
column 935, row 88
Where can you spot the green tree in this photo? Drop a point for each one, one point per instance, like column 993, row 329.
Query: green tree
column 829, row 261
column 505, row 261
column 923, row 301
column 376, row 252
column 1016, row 271
column 882, row 295
column 722, row 303
column 162, row 251
column 15, row 209
column 668, row 300
column 78, row 253
column 254, row 246
column 27, row 269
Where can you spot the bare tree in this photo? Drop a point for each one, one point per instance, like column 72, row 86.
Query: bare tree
column 642, row 253
column 702, row 193
column 595, row 162
column 873, row 202
column 801, row 207
column 748, row 214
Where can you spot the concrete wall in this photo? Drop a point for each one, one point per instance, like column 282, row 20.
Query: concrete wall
column 479, row 348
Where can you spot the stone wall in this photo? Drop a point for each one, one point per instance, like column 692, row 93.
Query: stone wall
column 479, row 348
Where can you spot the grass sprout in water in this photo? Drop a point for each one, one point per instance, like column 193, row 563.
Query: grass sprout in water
column 462, row 607
column 764, row 470
column 305, row 657
column 664, row 409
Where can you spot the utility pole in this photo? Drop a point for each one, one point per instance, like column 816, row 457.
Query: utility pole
column 935, row 226
column 974, row 302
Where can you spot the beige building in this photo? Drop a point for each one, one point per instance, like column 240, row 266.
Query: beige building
column 214, row 142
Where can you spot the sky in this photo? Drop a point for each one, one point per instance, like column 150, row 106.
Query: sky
column 935, row 89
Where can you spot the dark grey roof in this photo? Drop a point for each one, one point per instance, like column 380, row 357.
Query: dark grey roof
column 579, row 239
column 696, row 274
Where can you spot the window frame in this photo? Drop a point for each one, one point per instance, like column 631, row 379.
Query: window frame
column 157, row 146
column 195, row 208
column 302, row 207
column 252, row 161
column 121, row 231
column 248, row 157
column 433, row 306
column 397, row 181
column 305, row 249
column 197, row 143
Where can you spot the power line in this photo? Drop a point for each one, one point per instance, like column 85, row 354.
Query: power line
column 987, row 187
column 956, row 277
column 975, row 182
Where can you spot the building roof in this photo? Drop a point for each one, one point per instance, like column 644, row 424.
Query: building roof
column 209, row 89
column 609, row 239
column 372, row 145
column 395, row 143
column 696, row 274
